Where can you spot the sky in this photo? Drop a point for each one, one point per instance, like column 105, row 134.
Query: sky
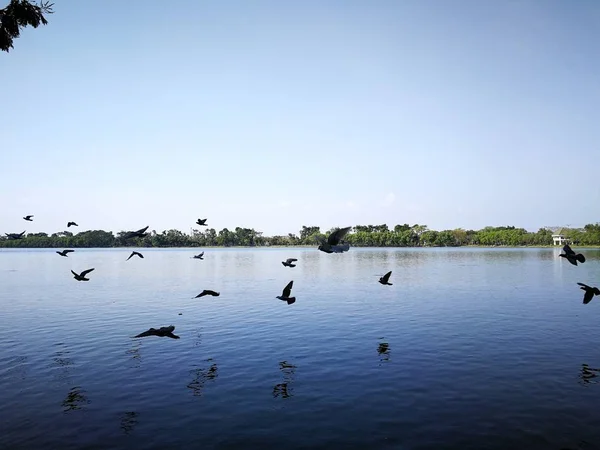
column 272, row 115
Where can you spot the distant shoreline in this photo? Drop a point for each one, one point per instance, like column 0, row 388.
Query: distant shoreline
column 258, row 247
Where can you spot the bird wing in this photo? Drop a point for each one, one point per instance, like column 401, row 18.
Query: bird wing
column 588, row 296
column 132, row 253
column 201, row 254
column 138, row 254
column 142, row 230
column 74, row 273
column 171, row 335
column 150, row 332
column 85, row 272
column 568, row 250
column 68, row 251
column 290, row 260
column 580, row 258
column 584, row 285
column 386, row 277
column 202, row 294
column 335, row 237
column 287, row 291
column 209, row 292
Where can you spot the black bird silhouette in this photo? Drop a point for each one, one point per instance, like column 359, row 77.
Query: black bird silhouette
column 71, row 224
column 199, row 256
column 207, row 292
column 201, row 222
column 385, row 279
column 28, row 218
column 161, row 332
column 15, row 235
column 589, row 292
column 81, row 276
column 139, row 233
column 135, row 254
column 64, row 252
column 331, row 245
column 285, row 295
column 571, row 256
column 288, row 262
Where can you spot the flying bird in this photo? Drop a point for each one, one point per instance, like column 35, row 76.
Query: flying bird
column 571, row 256
column 385, row 279
column 207, row 292
column 139, row 233
column 71, row 224
column 64, row 252
column 81, row 276
column 332, row 243
column 288, row 262
column 199, row 256
column 12, row 236
column 161, row 332
column 135, row 254
column 201, row 222
column 28, row 218
column 285, row 295
column 589, row 292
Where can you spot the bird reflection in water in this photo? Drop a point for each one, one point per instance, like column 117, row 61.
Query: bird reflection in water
column 201, row 376
column 383, row 350
column 198, row 340
column 588, row 375
column 62, row 362
column 284, row 389
column 76, row 398
column 136, row 356
column 128, row 421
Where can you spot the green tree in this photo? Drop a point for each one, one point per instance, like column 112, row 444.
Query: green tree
column 18, row 15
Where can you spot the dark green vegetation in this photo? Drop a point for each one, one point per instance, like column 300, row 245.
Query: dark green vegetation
column 18, row 15
column 361, row 236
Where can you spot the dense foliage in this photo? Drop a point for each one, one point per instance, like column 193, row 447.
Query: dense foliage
column 361, row 236
column 18, row 15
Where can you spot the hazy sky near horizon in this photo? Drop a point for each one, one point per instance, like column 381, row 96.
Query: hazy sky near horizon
column 276, row 114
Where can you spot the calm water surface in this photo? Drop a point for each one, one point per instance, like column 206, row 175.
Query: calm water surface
column 469, row 349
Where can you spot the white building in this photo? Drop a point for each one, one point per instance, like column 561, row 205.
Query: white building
column 559, row 239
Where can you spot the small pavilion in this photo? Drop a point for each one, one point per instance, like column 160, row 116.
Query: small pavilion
column 558, row 238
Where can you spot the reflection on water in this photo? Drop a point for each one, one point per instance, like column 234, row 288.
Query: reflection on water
column 76, row 399
column 485, row 336
column 63, row 364
column 383, row 350
column 285, row 389
column 128, row 421
column 136, row 356
column 198, row 340
column 588, row 374
column 201, row 376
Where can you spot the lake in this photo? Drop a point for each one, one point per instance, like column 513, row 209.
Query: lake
column 469, row 349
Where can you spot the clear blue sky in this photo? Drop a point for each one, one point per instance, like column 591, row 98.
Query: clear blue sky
column 277, row 114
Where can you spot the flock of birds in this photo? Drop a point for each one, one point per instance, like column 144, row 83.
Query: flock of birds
column 333, row 244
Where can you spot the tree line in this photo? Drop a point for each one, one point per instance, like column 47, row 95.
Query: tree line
column 360, row 236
